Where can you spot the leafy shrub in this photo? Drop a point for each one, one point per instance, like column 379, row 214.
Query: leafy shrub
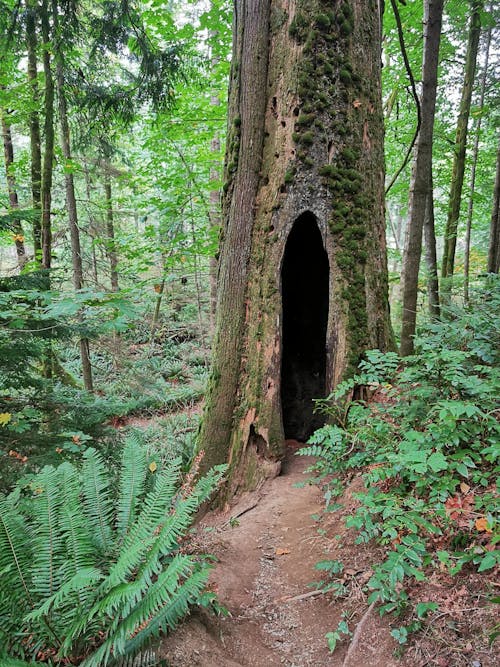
column 428, row 448
column 92, row 567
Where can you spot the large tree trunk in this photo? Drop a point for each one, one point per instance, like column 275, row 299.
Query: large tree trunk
column 494, row 245
column 302, row 289
column 457, row 178
column 76, row 255
column 34, row 125
column 17, row 228
column 421, row 190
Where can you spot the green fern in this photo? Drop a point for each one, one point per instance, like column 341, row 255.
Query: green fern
column 94, row 574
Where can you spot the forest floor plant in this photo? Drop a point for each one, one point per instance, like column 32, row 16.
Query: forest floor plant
column 427, row 447
column 94, row 564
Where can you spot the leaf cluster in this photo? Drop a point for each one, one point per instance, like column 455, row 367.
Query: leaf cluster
column 427, row 446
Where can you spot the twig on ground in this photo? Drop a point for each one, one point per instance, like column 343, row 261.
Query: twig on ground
column 303, row 596
column 357, row 634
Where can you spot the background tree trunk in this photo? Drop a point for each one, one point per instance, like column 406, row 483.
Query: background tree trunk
column 17, row 227
column 76, row 255
column 34, row 124
column 48, row 155
column 457, row 179
column 475, row 154
column 421, row 188
column 431, row 256
column 494, row 245
column 110, row 231
column 304, row 163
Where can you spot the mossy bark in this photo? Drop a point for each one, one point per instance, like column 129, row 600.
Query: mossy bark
column 305, row 135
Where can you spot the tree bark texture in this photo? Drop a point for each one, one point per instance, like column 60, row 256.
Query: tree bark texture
column 17, row 227
column 494, row 245
column 76, row 255
column 457, row 178
column 475, row 154
column 431, row 257
column 110, row 232
column 34, row 125
column 421, row 187
column 305, row 141
column 48, row 154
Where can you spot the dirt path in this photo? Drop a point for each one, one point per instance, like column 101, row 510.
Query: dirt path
column 266, row 561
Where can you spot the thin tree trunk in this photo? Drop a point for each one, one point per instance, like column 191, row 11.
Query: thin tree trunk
column 34, row 125
column 431, row 256
column 17, row 227
column 76, row 255
column 92, row 223
column 48, row 155
column 475, row 153
column 110, row 232
column 421, row 190
column 457, row 179
column 494, row 246
column 214, row 196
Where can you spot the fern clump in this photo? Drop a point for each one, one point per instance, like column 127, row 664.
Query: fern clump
column 91, row 567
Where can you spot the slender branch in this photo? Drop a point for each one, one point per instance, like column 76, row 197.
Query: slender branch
column 413, row 92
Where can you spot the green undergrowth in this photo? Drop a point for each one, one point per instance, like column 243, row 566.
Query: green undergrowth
column 427, row 445
column 94, row 562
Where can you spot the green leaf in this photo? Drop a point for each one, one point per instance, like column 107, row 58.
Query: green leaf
column 489, row 561
column 437, row 461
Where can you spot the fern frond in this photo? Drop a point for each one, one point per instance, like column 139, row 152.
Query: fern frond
column 165, row 603
column 12, row 662
column 48, row 543
column 84, row 578
column 168, row 617
column 132, row 479
column 97, row 498
column 156, row 504
column 15, row 556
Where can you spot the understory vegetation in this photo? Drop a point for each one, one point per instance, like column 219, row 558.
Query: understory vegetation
column 426, row 443
column 91, row 558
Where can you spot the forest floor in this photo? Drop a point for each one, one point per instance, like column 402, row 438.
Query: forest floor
column 266, row 548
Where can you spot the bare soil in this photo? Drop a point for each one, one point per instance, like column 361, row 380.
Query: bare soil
column 267, row 546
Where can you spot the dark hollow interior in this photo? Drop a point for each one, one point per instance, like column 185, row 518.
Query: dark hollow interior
column 304, row 289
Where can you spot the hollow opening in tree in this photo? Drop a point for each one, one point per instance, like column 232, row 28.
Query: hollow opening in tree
column 305, row 291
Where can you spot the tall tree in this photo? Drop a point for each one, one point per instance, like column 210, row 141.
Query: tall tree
column 421, row 187
column 71, row 206
column 494, row 244
column 302, row 286
column 475, row 155
column 16, row 223
column 457, row 180
column 34, row 124
column 49, row 134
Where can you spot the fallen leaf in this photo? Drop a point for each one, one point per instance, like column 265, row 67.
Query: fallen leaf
column 482, row 525
column 464, row 488
column 282, row 552
column 356, row 104
column 152, row 466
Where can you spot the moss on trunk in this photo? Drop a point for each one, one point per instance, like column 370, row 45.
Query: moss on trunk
column 320, row 153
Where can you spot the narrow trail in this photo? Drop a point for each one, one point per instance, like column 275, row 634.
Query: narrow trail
column 265, row 566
